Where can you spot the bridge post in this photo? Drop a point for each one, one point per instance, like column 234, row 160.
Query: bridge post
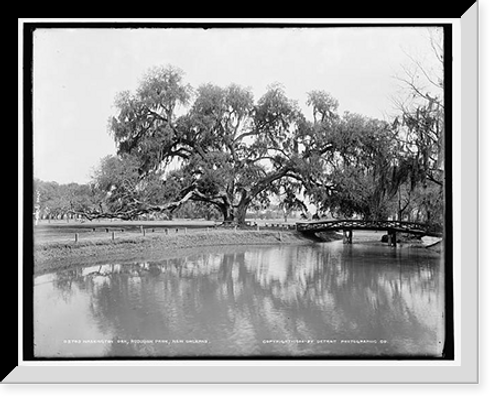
column 347, row 239
column 391, row 238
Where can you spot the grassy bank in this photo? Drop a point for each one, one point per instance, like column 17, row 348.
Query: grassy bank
column 55, row 253
column 62, row 245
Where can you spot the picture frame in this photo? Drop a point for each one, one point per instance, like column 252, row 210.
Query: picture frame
column 463, row 368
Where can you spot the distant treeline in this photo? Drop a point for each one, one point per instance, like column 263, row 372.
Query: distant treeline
column 56, row 201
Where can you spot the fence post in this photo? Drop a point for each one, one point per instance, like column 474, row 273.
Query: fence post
column 76, row 237
column 113, row 236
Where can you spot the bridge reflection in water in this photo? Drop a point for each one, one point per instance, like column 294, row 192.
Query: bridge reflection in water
column 347, row 226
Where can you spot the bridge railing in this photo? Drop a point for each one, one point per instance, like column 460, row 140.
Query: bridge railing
column 399, row 226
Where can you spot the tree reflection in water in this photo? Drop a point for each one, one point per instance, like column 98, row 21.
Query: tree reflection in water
column 233, row 301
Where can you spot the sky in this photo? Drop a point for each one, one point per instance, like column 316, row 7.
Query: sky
column 79, row 71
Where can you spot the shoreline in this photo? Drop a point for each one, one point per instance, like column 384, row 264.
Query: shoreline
column 53, row 255
column 56, row 255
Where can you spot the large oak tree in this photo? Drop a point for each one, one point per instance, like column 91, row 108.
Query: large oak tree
column 213, row 144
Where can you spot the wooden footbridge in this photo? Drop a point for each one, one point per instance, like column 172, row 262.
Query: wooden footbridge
column 347, row 226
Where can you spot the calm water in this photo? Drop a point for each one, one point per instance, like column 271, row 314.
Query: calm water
column 326, row 299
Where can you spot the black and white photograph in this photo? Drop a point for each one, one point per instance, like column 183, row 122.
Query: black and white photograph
column 241, row 191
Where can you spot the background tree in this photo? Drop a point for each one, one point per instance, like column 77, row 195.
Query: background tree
column 121, row 191
column 62, row 200
column 289, row 195
column 342, row 167
column 421, row 126
column 352, row 162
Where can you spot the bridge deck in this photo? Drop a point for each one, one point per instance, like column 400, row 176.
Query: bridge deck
column 415, row 228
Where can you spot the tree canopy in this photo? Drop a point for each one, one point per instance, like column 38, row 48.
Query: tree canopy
column 221, row 148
